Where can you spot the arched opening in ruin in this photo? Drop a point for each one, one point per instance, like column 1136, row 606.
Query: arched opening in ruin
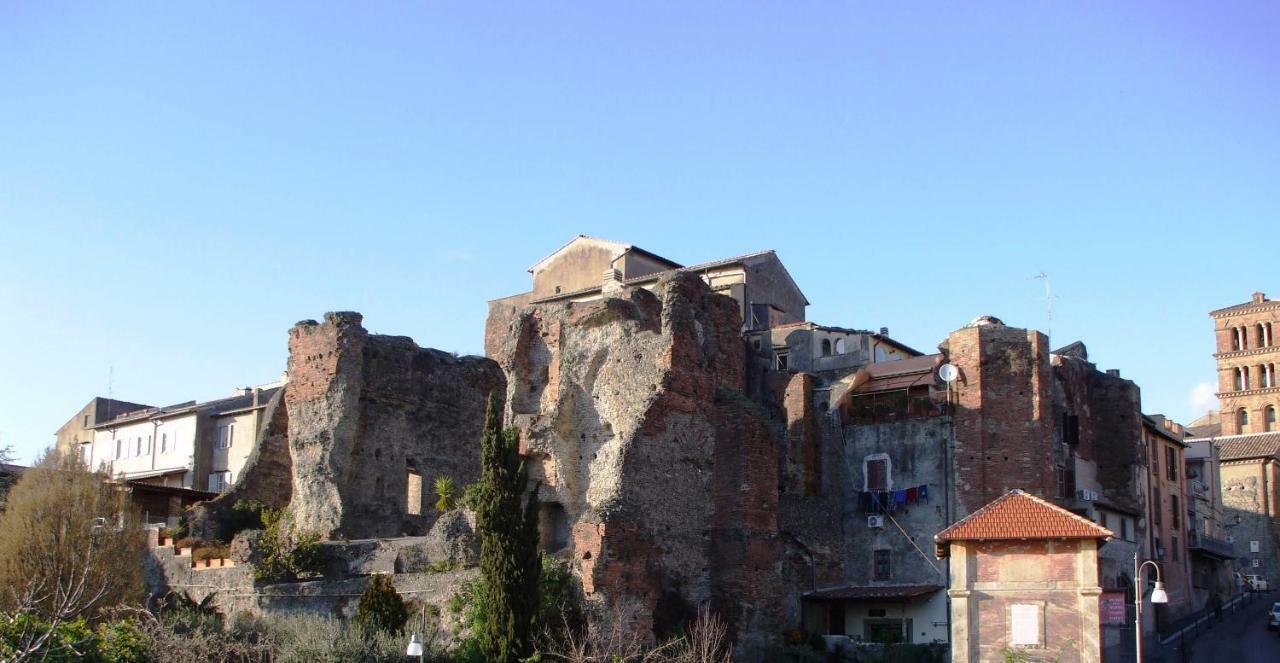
column 553, row 526
column 826, row 347
column 413, row 490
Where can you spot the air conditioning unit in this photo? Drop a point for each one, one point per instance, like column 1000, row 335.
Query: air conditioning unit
column 875, row 521
column 1087, row 495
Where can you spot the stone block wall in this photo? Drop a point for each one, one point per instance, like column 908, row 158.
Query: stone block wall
column 364, row 412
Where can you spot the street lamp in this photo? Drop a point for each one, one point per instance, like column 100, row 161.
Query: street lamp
column 1158, row 595
column 415, row 647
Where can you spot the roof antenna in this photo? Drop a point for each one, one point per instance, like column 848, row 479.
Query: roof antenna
column 1048, row 301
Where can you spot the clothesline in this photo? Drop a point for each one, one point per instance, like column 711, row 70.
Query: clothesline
column 888, row 501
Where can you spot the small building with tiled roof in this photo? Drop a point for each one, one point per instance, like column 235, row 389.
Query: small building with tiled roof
column 1024, row 576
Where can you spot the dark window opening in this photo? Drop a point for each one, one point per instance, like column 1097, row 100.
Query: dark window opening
column 878, row 474
column 835, row 619
column 553, row 527
column 882, row 566
column 1171, row 462
column 826, row 347
column 1071, row 429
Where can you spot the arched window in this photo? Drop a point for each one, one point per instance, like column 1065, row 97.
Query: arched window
column 1269, row 419
column 1266, row 337
column 839, row 346
column 1237, row 343
column 826, row 347
column 1261, row 340
column 1242, row 420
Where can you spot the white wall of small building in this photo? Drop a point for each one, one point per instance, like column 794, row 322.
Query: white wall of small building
column 178, row 434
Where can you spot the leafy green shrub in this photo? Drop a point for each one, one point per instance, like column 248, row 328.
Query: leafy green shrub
column 192, row 542
column 246, row 514
column 442, row 566
column 215, row 550
column 381, row 608
column 285, row 558
column 446, row 499
column 70, row 641
column 123, row 641
column 471, row 496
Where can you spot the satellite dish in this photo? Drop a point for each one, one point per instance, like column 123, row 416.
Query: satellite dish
column 948, row 373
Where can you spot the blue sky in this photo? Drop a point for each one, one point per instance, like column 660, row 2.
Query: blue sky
column 180, row 184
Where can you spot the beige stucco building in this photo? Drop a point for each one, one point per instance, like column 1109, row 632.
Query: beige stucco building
column 79, row 428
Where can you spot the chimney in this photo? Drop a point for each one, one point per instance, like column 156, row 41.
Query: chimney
column 612, row 282
column 884, row 331
column 1113, row 372
column 1259, row 297
column 256, row 394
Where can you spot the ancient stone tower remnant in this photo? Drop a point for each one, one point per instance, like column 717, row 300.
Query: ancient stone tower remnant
column 659, row 478
column 373, row 420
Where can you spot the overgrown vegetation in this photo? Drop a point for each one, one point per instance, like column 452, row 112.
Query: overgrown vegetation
column 381, row 608
column 284, row 557
column 507, row 524
column 246, row 514
column 446, row 493
column 71, row 546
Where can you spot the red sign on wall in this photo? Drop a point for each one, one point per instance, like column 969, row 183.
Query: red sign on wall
column 1111, row 608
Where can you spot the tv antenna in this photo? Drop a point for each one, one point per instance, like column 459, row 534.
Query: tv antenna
column 1048, row 301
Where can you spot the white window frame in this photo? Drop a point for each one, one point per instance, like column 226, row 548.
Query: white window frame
column 220, row 481
column 225, row 434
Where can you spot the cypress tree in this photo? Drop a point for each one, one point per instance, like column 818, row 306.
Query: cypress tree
column 509, row 561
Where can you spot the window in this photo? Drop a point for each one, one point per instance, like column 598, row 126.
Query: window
column 875, row 472
column 1102, row 520
column 1261, row 340
column 1171, row 462
column 1157, row 506
column 835, row 619
column 1236, row 342
column 164, row 443
column 86, row 421
column 1175, row 520
column 881, row 564
column 1066, row 482
column 137, row 446
column 225, row 433
column 1070, row 428
column 413, row 492
column 1269, row 419
column 1155, row 461
column 1124, row 528
column 826, row 347
column 85, row 450
column 1176, row 554
column 219, row 481
column 1242, row 420
column 886, row 631
column 119, row 448
column 781, row 363
column 839, row 346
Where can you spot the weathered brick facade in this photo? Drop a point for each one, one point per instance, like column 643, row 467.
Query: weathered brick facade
column 1003, row 413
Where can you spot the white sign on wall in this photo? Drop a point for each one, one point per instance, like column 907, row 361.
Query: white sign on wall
column 1253, row 546
column 1024, row 624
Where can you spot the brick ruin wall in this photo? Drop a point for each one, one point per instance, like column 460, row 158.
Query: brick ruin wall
column 1004, row 421
column 659, row 476
column 365, row 411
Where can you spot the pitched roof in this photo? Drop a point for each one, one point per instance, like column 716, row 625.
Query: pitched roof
column 1264, row 304
column 620, row 247
column 1249, row 445
column 1017, row 515
column 871, row 593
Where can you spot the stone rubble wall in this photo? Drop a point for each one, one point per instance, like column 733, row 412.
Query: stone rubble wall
column 633, row 418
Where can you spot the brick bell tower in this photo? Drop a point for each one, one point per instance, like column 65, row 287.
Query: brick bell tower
column 1248, row 357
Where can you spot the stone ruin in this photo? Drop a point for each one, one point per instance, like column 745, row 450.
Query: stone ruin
column 659, row 477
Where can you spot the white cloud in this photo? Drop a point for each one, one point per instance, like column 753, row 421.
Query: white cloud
column 1202, row 399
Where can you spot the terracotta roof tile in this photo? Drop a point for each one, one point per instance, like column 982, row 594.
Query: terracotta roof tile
column 1018, row 515
column 1249, row 445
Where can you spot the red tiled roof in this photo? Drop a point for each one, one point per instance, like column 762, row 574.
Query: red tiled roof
column 867, row 593
column 1017, row 515
column 1249, row 445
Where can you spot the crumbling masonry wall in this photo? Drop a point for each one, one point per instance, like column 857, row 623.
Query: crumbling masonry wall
column 633, row 418
column 365, row 411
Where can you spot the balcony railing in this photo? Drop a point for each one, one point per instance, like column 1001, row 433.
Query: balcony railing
column 1197, row 542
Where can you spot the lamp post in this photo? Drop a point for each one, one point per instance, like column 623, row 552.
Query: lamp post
column 415, row 647
column 1158, row 595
